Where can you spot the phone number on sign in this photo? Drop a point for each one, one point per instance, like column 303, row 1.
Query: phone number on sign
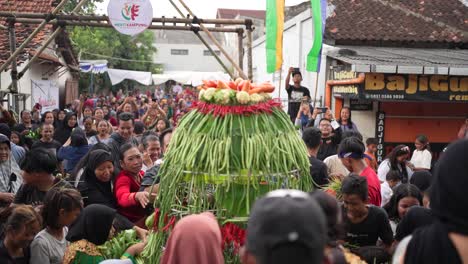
column 385, row 96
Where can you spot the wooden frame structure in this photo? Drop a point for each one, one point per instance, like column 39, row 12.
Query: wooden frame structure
column 189, row 23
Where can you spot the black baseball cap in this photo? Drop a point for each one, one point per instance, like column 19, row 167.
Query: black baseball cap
column 285, row 217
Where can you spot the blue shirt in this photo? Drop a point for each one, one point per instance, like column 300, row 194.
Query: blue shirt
column 72, row 155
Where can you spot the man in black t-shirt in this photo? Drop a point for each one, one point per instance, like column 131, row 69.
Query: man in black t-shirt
column 318, row 170
column 38, row 166
column 364, row 224
column 296, row 92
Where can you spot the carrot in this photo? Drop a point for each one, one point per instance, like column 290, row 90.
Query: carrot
column 200, row 87
column 239, row 85
column 246, row 86
column 209, row 83
column 232, row 85
column 263, row 88
column 222, row 85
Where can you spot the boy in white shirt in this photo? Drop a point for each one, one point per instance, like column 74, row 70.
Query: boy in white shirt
column 391, row 180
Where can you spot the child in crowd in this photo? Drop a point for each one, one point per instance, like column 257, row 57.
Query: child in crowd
column 22, row 223
column 404, row 197
column 371, row 149
column 386, row 188
column 364, row 224
column 422, row 157
column 423, row 180
column 61, row 208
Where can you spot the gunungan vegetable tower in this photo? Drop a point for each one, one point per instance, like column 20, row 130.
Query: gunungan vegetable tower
column 235, row 145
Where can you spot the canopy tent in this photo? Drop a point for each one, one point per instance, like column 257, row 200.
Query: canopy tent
column 116, row 76
column 189, row 77
column 94, row 66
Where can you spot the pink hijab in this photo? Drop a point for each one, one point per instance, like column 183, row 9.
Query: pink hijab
column 196, row 239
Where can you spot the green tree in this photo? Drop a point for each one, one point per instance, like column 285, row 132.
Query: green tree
column 88, row 8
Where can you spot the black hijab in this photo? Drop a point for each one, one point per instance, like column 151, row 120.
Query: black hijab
column 93, row 224
column 94, row 190
column 448, row 202
column 62, row 134
column 78, row 138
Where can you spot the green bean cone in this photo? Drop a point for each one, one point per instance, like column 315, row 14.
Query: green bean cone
column 223, row 164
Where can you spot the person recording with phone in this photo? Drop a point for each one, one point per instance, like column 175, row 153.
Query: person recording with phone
column 296, row 92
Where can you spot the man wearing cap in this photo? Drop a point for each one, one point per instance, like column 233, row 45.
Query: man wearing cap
column 296, row 92
column 285, row 226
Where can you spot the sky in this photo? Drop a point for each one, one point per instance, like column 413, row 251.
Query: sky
column 201, row 8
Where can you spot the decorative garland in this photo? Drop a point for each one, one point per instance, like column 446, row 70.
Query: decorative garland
column 223, row 110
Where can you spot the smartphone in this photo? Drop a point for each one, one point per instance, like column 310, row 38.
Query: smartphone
column 323, row 109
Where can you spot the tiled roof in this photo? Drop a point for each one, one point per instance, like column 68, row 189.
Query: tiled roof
column 232, row 13
column 23, row 31
column 443, row 21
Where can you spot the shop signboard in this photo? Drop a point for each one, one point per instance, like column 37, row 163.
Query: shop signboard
column 380, row 135
column 345, row 90
column 411, row 87
column 361, row 105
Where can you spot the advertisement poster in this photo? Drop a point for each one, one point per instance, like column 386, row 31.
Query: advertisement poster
column 45, row 93
column 130, row 17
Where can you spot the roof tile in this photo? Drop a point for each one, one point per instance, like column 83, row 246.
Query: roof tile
column 398, row 20
column 23, row 31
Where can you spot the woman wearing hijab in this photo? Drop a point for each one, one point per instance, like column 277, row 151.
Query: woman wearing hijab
column 10, row 173
column 196, row 239
column 446, row 240
column 96, row 186
column 63, row 134
column 74, row 149
column 92, row 229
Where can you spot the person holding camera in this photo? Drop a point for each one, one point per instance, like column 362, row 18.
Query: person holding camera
column 296, row 93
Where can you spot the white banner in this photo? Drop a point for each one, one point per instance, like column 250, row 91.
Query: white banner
column 45, row 93
column 130, row 17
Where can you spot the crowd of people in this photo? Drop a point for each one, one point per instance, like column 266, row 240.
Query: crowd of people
column 72, row 178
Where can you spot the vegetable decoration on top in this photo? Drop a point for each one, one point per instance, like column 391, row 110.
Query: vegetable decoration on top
column 239, row 97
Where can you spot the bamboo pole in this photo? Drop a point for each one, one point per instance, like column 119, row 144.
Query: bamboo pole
column 14, row 70
column 241, row 73
column 184, row 20
column 249, row 53
column 240, row 49
column 218, row 59
column 107, row 25
column 31, row 36
column 48, row 41
column 316, row 87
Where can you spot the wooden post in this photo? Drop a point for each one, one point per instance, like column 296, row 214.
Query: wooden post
column 241, row 73
column 14, row 70
column 249, row 53
column 31, row 36
column 280, row 78
column 240, row 48
column 316, row 87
